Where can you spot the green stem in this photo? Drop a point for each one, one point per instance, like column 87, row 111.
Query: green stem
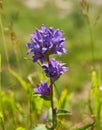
column 30, row 109
column 1, row 103
column 0, row 71
column 4, row 40
column 91, row 41
column 52, row 106
column 89, row 101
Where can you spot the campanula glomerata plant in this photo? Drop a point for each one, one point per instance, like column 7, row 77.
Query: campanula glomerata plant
column 43, row 43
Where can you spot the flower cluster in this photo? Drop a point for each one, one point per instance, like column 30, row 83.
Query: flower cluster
column 54, row 69
column 43, row 89
column 43, row 43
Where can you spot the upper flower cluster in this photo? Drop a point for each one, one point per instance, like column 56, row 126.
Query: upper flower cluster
column 54, row 69
column 45, row 42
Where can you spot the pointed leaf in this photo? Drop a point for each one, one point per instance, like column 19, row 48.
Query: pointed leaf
column 38, row 104
column 49, row 115
column 63, row 112
column 24, row 84
column 86, row 127
column 1, row 118
column 64, row 98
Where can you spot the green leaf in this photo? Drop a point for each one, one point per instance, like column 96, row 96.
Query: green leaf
column 49, row 123
column 49, row 115
column 19, row 108
column 23, row 83
column 86, row 127
column 20, row 128
column 64, row 98
column 40, row 127
column 63, row 112
column 44, row 97
column 1, row 118
column 95, row 100
column 38, row 104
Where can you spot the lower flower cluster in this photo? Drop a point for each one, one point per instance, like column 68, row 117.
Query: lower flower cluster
column 53, row 70
column 43, row 89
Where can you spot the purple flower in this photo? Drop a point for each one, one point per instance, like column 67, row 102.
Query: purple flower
column 45, row 42
column 43, row 90
column 54, row 69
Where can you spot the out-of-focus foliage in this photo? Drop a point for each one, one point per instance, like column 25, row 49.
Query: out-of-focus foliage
column 19, row 108
column 95, row 99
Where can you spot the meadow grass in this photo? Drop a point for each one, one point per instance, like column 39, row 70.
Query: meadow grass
column 25, row 21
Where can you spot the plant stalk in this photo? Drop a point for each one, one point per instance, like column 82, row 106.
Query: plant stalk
column 91, row 41
column 4, row 40
column 52, row 106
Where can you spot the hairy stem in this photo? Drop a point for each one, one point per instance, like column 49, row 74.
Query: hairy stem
column 52, row 106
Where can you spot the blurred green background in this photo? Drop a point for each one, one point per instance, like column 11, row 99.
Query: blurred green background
column 20, row 18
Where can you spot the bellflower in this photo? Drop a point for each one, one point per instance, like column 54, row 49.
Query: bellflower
column 43, row 90
column 45, row 42
column 54, row 69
